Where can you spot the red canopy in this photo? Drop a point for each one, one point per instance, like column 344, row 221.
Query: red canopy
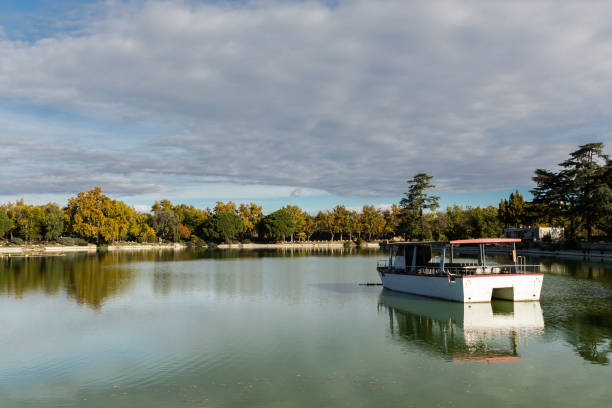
column 485, row 241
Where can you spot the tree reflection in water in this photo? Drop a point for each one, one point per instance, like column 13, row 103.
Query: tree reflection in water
column 88, row 279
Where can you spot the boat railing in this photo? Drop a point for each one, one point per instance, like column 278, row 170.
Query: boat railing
column 490, row 269
column 465, row 269
column 382, row 263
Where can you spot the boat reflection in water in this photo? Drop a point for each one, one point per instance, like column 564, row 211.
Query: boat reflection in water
column 490, row 332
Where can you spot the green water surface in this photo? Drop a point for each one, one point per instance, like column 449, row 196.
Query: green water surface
column 283, row 329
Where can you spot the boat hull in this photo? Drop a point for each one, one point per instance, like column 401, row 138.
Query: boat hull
column 468, row 289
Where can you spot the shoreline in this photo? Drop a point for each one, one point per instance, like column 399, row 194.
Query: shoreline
column 584, row 254
column 55, row 250
column 58, row 250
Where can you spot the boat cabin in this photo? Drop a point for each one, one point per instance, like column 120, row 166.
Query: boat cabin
column 417, row 258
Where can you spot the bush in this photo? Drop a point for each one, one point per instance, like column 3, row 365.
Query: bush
column 347, row 244
column 359, row 242
column 570, row 243
column 69, row 241
column 17, row 241
column 211, row 245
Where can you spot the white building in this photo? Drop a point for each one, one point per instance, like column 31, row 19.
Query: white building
column 535, row 234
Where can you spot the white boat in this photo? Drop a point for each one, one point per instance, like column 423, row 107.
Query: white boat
column 411, row 269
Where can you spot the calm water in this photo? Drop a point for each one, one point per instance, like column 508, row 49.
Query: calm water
column 272, row 329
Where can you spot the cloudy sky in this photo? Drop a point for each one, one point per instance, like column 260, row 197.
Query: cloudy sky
column 305, row 102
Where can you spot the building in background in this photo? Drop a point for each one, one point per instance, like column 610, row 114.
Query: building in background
column 536, row 234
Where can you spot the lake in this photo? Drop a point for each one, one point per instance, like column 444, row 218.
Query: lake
column 290, row 329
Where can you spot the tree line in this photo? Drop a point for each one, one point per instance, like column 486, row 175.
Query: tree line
column 578, row 197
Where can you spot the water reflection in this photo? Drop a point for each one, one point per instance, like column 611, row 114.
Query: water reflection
column 88, row 279
column 482, row 331
column 594, row 270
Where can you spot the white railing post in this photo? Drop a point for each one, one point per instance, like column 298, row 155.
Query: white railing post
column 442, row 256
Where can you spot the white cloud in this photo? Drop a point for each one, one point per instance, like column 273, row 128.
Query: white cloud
column 352, row 100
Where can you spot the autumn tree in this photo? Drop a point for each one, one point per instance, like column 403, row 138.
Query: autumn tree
column 342, row 220
column 251, row 215
column 310, row 226
column 191, row 217
column 298, row 217
column 184, row 233
column 84, row 214
column 27, row 220
column 141, row 230
column 372, row 220
column 229, row 207
column 392, row 219
column 354, row 224
column 93, row 215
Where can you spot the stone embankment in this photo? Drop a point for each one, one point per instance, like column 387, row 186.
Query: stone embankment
column 50, row 250
column 295, row 245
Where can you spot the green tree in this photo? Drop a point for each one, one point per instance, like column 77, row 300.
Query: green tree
column 512, row 211
column 483, row 222
column 455, row 226
column 53, row 221
column 226, row 225
column 6, row 224
column 553, row 201
column 415, row 202
column 580, row 193
column 326, row 223
column 278, row 224
column 165, row 224
column 586, row 170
